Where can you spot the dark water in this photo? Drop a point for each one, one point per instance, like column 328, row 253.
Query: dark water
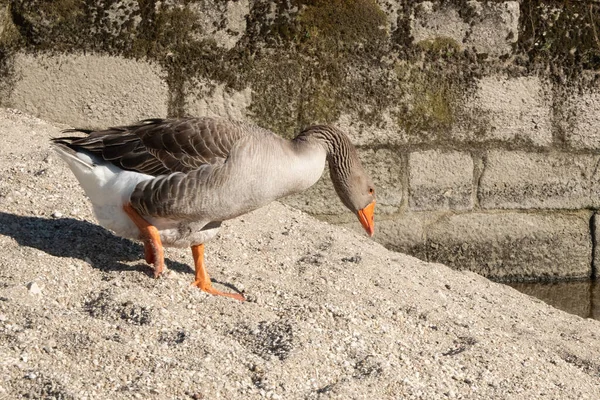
column 580, row 298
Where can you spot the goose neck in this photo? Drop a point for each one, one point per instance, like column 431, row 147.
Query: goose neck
column 341, row 154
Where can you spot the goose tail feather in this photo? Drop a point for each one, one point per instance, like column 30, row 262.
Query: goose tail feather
column 70, row 155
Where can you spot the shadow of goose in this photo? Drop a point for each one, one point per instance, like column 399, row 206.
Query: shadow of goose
column 69, row 237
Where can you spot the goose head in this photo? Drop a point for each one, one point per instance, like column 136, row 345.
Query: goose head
column 352, row 184
column 357, row 192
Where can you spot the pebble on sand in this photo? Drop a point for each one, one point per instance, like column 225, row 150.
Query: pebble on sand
column 34, row 288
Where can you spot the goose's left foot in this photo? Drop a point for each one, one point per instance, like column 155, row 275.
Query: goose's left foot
column 153, row 249
column 203, row 280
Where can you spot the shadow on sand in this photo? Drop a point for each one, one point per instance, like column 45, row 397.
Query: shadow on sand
column 68, row 237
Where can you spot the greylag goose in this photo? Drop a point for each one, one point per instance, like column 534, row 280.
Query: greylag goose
column 171, row 182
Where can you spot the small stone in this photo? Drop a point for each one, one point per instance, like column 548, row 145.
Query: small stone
column 34, row 288
column 57, row 214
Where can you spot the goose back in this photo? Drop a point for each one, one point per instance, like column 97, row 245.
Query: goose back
column 259, row 169
column 204, row 169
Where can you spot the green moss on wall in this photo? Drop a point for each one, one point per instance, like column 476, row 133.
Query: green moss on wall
column 441, row 46
column 50, row 25
column 10, row 37
column 9, row 41
column 339, row 25
column 164, row 30
column 290, row 94
column 562, row 35
column 429, row 101
column 307, row 61
column 433, row 84
column 310, row 61
column 322, row 58
column 301, row 80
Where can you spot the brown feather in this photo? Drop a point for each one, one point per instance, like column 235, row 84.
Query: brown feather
column 161, row 146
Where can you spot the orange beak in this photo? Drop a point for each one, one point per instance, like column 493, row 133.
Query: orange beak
column 365, row 216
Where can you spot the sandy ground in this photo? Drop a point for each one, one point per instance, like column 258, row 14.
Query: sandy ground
column 331, row 314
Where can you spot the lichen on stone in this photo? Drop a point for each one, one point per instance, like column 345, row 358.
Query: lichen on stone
column 310, row 61
column 561, row 35
column 428, row 101
column 440, row 46
column 322, row 59
column 332, row 25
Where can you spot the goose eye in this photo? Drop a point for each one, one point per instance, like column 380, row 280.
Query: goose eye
column 371, row 191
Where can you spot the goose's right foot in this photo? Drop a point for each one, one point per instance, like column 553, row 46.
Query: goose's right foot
column 148, row 252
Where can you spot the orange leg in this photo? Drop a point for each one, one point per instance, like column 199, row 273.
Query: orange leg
column 153, row 249
column 203, row 280
column 148, row 252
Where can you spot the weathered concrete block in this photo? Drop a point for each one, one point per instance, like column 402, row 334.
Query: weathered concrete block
column 522, row 180
column 490, row 28
column 430, row 23
column 387, row 132
column 384, row 166
column 511, row 109
column 88, row 90
column 215, row 100
column 224, row 21
column 514, row 246
column 440, row 180
column 582, row 131
column 494, row 28
column 405, row 233
column 596, row 228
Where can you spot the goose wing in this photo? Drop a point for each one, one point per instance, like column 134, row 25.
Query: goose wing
column 161, row 146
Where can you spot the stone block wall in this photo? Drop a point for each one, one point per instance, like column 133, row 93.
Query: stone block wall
column 479, row 120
